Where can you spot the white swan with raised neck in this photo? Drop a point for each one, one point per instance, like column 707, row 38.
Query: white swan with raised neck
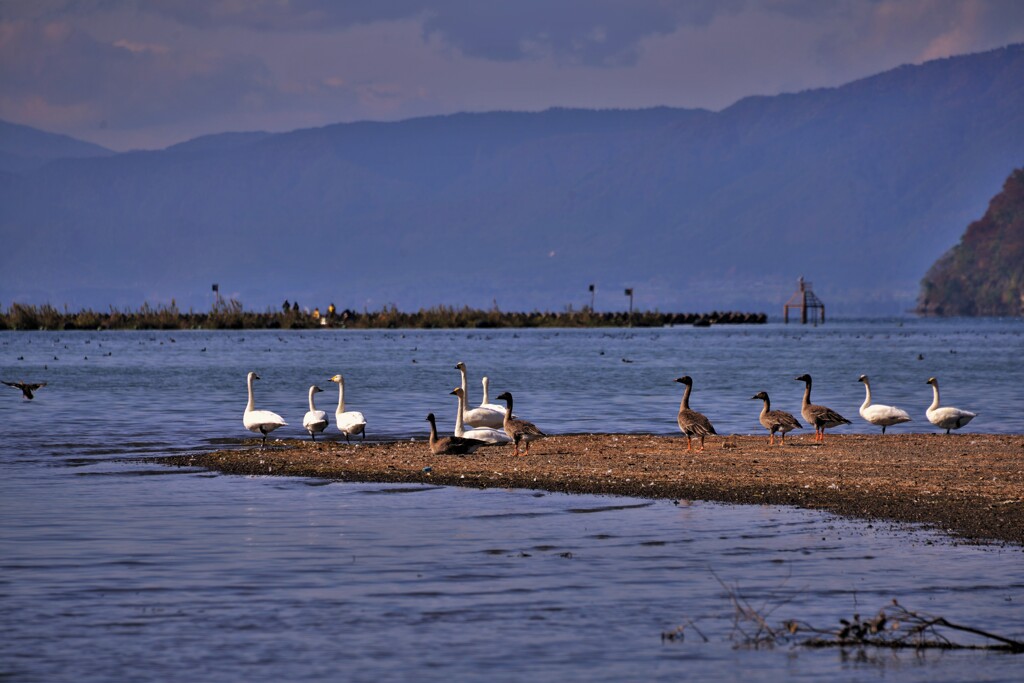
column 260, row 421
column 488, row 434
column 348, row 422
column 315, row 421
column 879, row 414
column 483, row 416
column 946, row 417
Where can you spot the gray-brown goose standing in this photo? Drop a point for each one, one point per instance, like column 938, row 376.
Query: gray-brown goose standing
column 775, row 420
column 819, row 416
column 691, row 422
column 26, row 388
column 451, row 445
column 520, row 431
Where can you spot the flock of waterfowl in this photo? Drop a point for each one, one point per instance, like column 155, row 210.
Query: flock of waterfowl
column 491, row 423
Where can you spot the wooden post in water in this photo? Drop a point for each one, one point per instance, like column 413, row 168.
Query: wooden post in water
column 629, row 293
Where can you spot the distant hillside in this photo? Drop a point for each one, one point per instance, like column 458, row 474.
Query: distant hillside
column 984, row 273
column 23, row 148
column 858, row 188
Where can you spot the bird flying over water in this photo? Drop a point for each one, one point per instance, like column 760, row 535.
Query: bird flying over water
column 26, row 388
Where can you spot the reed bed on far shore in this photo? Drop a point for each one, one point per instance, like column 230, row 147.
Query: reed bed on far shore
column 230, row 315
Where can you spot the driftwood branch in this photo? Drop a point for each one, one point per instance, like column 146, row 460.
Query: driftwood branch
column 893, row 627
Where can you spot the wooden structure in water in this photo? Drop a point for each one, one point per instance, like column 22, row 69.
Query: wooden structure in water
column 804, row 299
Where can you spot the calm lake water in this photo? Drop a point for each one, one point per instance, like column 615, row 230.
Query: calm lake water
column 117, row 569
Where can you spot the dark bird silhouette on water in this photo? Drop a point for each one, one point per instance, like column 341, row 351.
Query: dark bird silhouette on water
column 26, row 388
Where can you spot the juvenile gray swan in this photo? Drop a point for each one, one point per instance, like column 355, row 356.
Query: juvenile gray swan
column 520, row 431
column 451, row 445
column 775, row 420
column 819, row 416
column 691, row 422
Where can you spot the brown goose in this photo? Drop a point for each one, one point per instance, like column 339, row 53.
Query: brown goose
column 775, row 420
column 451, row 445
column 819, row 416
column 26, row 388
column 691, row 422
column 518, row 430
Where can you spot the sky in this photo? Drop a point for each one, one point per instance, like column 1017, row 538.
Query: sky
column 147, row 74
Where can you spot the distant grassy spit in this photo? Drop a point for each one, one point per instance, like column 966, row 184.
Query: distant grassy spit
column 231, row 316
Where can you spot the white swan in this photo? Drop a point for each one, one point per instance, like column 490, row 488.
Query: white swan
column 315, row 420
column 348, row 422
column 881, row 415
column 487, row 434
column 482, row 416
column 485, row 403
column 947, row 417
column 262, row 421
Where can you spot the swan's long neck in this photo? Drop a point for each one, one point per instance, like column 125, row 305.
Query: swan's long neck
column 465, row 387
column 251, row 405
column 807, row 393
column 341, row 396
column 311, row 406
column 459, row 428
column 484, row 382
column 685, row 403
column 867, row 396
column 935, row 397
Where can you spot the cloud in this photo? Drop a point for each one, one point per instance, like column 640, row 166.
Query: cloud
column 590, row 32
column 56, row 68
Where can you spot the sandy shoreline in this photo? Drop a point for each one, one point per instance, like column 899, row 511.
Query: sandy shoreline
column 970, row 485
